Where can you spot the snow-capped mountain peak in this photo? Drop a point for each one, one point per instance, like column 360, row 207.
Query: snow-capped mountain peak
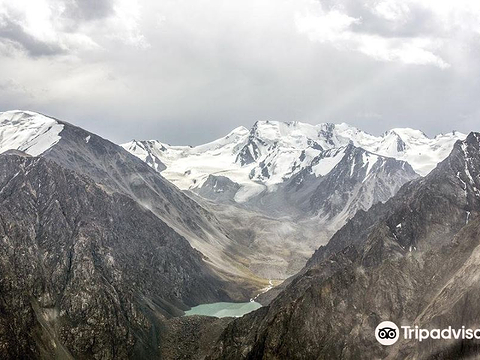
column 148, row 151
column 297, row 134
column 28, row 131
column 413, row 146
column 272, row 152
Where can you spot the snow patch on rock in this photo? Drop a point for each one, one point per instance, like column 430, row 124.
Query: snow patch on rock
column 28, row 131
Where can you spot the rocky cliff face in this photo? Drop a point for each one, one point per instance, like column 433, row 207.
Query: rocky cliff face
column 219, row 189
column 413, row 260
column 85, row 273
column 356, row 180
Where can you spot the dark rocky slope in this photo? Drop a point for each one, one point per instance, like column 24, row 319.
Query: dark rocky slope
column 413, row 260
column 117, row 170
column 191, row 337
column 87, row 274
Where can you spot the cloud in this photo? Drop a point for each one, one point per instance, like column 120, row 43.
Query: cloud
column 188, row 71
column 15, row 34
column 9, row 86
column 126, row 23
column 336, row 28
column 87, row 10
column 60, row 27
column 391, row 10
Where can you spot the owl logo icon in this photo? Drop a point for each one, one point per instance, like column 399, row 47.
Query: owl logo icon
column 387, row 333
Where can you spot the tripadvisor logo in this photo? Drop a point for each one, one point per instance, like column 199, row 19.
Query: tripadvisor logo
column 387, row 333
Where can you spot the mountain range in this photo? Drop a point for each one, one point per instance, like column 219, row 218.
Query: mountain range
column 317, row 175
column 105, row 246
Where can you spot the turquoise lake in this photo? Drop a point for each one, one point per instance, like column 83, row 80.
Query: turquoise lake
column 224, row 309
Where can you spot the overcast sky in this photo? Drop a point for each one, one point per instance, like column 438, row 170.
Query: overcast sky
column 189, row 71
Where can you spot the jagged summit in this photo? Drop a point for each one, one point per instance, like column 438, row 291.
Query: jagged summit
column 272, row 152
